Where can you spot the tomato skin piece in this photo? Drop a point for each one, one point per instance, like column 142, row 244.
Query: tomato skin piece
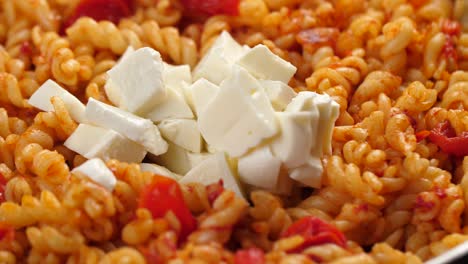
column 112, row 10
column 249, row 256
column 315, row 232
column 163, row 195
column 3, row 183
column 7, row 233
column 318, row 37
column 211, row 7
column 443, row 135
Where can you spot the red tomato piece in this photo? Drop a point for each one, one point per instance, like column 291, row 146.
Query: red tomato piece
column 451, row 27
column 3, row 183
column 214, row 190
column 212, row 7
column 315, row 232
column 112, row 10
column 249, row 256
column 422, row 135
column 164, row 195
column 6, row 233
column 318, row 37
column 443, row 135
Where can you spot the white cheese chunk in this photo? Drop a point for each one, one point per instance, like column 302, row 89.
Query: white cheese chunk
column 212, row 170
column 203, row 91
column 97, row 142
column 97, row 171
column 264, row 64
column 309, row 174
column 174, row 106
column 136, row 82
column 215, row 66
column 138, row 129
column 329, row 111
column 259, row 168
column 175, row 76
column 239, row 117
column 112, row 90
column 295, row 141
column 159, row 170
column 280, row 94
column 178, row 159
column 182, row 132
column 41, row 100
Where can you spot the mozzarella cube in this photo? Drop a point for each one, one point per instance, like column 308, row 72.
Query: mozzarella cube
column 203, row 91
column 264, row 64
column 97, row 171
column 239, row 117
column 159, row 170
column 280, row 94
column 309, row 174
column 295, row 141
column 175, row 106
column 182, row 132
column 259, row 168
column 212, row 170
column 97, row 142
column 41, row 100
column 178, row 159
column 215, row 66
column 136, row 82
column 174, row 77
column 329, row 111
column 138, row 129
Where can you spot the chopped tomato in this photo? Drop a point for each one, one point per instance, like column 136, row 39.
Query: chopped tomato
column 249, row 256
column 3, row 183
column 212, row 7
column 449, row 50
column 418, row 3
column 26, row 48
column 164, row 195
column 318, row 37
column 450, row 27
column 315, row 232
column 6, row 232
column 422, row 135
column 112, row 10
column 151, row 256
column 443, row 135
column 214, row 190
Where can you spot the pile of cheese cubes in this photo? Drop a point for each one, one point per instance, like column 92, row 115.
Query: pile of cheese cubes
column 234, row 118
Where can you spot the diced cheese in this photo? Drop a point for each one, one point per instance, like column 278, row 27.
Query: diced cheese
column 41, row 99
column 203, row 91
column 136, row 82
column 138, row 129
column 174, row 106
column 260, row 168
column 159, row 170
column 178, row 159
column 239, row 117
column 175, row 76
column 280, row 94
column 309, row 174
column 215, row 66
column 264, row 64
column 97, row 142
column 329, row 111
column 182, row 132
column 130, row 50
column 211, row 171
column 97, row 171
column 295, row 141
